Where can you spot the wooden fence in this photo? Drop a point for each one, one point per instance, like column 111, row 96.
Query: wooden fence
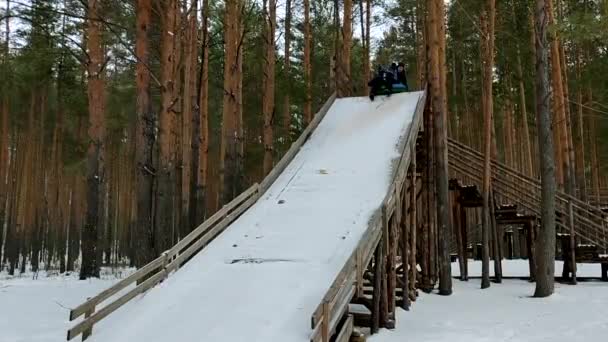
column 349, row 281
column 160, row 268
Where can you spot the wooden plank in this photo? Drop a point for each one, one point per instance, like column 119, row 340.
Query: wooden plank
column 341, row 309
column 414, row 225
column 315, row 336
column 404, row 240
column 344, row 296
column 384, row 314
column 346, row 331
column 295, row 146
column 572, row 243
column 107, row 293
column 379, row 255
column 325, row 323
column 205, row 226
column 347, row 269
column 372, row 235
column 105, row 311
column 88, row 331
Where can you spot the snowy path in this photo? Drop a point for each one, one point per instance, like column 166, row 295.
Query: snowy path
column 505, row 313
column 262, row 279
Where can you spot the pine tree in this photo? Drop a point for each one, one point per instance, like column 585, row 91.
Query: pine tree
column 91, row 251
column 545, row 242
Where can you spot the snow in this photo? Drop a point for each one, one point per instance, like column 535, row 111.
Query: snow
column 505, row 312
column 37, row 310
column 521, row 268
column 263, row 277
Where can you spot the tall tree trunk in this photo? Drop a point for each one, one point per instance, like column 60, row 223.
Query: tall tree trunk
column 488, row 108
column 189, row 109
column 144, row 140
column 529, row 171
column 4, row 132
column 201, row 123
column 229, row 151
column 270, row 8
column 421, row 44
column 286, row 99
column 307, row 62
column 438, row 91
column 579, row 136
column 545, row 242
column 347, row 35
column 366, row 71
column 93, row 227
column 166, row 172
column 560, row 105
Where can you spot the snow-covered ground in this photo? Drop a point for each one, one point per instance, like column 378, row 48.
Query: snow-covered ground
column 37, row 310
column 505, row 313
column 520, row 268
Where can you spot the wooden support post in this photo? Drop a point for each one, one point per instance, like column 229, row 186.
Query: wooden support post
column 604, row 271
column 391, row 266
column 530, row 244
column 495, row 232
column 523, row 243
column 89, row 331
column 384, row 314
column 325, row 334
column 465, row 241
column 572, row 260
column 413, row 227
column 510, row 246
column 360, row 271
column 456, row 210
column 378, row 270
column 406, row 219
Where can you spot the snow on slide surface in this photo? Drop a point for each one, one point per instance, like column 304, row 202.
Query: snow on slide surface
column 264, row 276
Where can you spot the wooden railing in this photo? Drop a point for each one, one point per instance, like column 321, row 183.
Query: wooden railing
column 586, row 221
column 158, row 269
column 349, row 281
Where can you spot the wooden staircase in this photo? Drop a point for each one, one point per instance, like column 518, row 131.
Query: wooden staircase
column 517, row 201
column 588, row 222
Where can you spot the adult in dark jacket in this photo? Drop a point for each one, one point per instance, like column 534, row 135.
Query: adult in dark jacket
column 383, row 80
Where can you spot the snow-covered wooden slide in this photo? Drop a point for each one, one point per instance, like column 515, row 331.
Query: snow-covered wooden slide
column 272, row 269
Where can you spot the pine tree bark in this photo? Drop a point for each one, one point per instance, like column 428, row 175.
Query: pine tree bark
column 166, row 171
column 270, row 8
column 307, row 62
column 347, row 35
column 545, row 242
column 4, row 131
column 529, row 169
column 144, row 139
column 488, row 104
column 190, row 107
column 229, row 148
column 201, row 123
column 439, row 101
column 96, row 62
column 579, row 136
column 286, row 100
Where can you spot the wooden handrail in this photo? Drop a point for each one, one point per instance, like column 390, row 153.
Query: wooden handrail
column 172, row 259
